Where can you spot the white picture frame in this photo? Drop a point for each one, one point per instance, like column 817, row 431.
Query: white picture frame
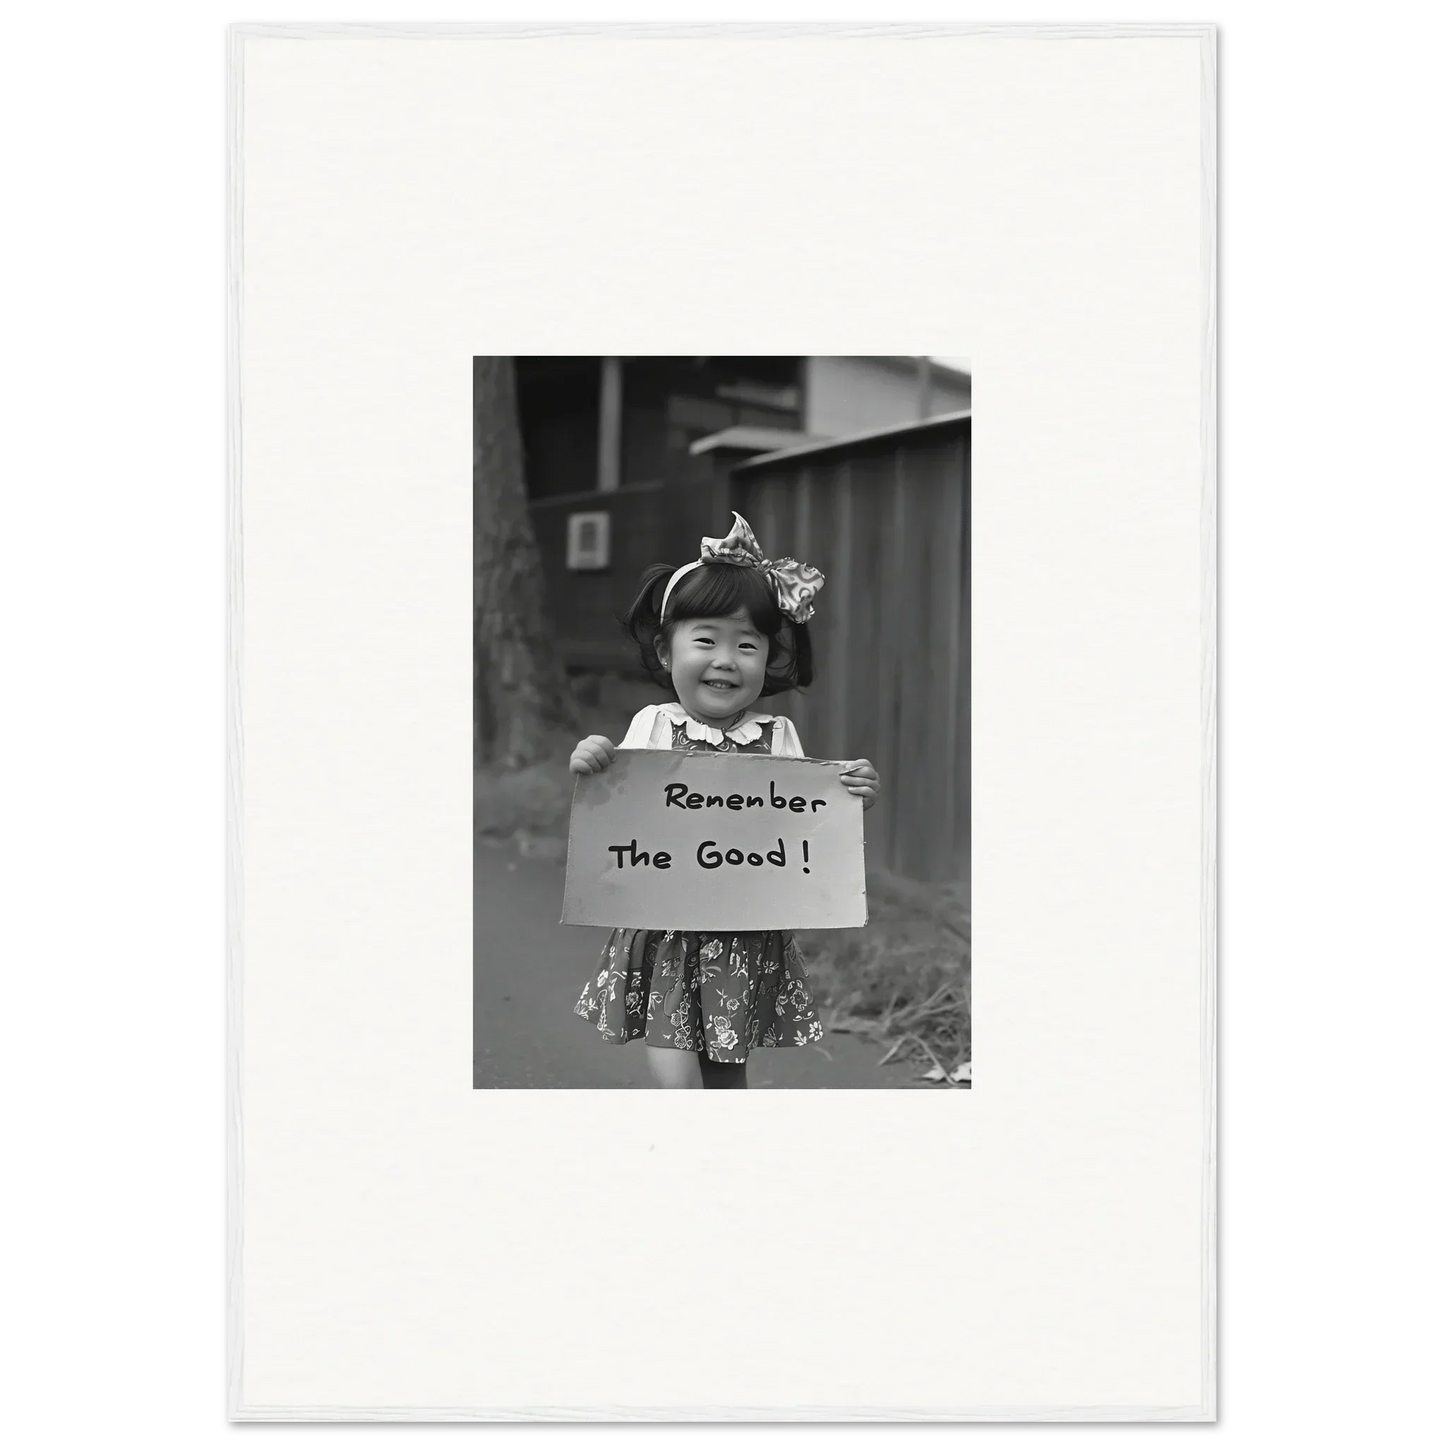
column 1046, row 197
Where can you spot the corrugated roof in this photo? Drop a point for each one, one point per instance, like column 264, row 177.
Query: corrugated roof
column 943, row 422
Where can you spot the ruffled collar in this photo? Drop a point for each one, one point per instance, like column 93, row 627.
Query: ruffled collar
column 749, row 730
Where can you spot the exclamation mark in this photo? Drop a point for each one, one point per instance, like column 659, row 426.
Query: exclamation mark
column 806, row 869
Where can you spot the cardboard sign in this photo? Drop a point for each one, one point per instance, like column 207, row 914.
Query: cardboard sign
column 715, row 842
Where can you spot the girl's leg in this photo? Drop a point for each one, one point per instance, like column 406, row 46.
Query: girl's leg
column 722, row 1076
column 674, row 1068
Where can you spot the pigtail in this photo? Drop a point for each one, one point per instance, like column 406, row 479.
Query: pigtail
column 643, row 621
column 793, row 667
column 790, row 659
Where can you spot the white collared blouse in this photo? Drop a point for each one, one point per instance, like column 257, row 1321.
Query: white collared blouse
column 652, row 728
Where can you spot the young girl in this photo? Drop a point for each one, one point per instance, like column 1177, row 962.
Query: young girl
column 718, row 634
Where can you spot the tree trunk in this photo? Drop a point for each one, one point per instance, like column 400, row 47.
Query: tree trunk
column 519, row 687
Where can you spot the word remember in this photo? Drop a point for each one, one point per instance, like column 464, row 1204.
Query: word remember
column 676, row 795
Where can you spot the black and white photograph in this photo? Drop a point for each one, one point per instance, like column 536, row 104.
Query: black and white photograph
column 722, row 722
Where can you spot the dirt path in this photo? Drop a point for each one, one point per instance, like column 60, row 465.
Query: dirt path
column 528, row 971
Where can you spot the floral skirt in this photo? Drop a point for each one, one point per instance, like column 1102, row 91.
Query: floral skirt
column 718, row 993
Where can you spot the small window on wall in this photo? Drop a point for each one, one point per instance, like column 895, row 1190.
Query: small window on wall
column 589, row 541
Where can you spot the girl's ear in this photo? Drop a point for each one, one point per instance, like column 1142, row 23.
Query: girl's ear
column 659, row 646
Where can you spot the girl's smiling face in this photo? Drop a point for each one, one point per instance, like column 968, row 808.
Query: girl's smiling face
column 718, row 664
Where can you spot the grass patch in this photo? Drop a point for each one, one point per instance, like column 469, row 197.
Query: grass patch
column 905, row 980
column 527, row 808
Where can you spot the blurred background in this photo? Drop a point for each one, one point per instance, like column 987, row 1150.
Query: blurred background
column 588, row 469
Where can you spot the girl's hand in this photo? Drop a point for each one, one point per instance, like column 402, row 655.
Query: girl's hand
column 591, row 755
column 862, row 781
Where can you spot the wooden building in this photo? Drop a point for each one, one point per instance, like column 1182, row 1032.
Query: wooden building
column 885, row 516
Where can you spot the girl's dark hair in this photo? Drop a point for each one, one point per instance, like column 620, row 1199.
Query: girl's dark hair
column 717, row 589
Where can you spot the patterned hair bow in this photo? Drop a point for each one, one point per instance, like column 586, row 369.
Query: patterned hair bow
column 794, row 584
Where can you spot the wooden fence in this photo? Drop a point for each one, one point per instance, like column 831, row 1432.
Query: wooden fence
column 886, row 518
